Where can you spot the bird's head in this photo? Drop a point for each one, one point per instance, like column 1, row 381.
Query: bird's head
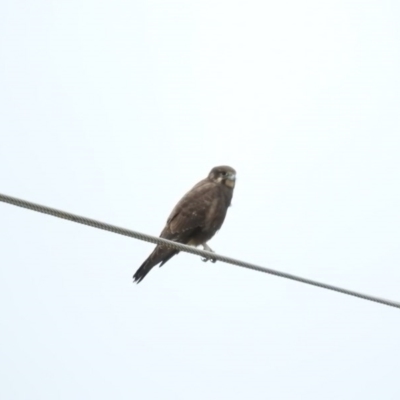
column 224, row 175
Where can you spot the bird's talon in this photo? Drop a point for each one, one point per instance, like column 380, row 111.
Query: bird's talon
column 205, row 259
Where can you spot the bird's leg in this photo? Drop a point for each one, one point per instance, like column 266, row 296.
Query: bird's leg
column 206, row 247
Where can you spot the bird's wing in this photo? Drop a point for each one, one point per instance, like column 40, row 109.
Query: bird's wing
column 192, row 210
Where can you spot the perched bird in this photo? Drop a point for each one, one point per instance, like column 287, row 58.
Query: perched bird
column 196, row 218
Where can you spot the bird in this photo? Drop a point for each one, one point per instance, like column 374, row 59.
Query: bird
column 196, row 217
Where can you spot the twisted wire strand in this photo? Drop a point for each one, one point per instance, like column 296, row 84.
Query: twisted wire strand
column 182, row 247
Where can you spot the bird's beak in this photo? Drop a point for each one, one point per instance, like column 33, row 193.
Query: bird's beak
column 230, row 180
column 231, row 176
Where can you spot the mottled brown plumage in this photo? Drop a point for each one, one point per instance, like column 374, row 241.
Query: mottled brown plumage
column 196, row 218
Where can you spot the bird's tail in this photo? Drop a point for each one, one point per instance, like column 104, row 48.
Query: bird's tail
column 161, row 254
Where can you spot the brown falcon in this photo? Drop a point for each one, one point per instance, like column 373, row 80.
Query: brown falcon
column 196, row 218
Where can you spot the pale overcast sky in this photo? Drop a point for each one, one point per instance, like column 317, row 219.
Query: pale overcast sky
column 113, row 110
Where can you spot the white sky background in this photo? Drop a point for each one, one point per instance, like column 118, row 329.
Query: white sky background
column 113, row 110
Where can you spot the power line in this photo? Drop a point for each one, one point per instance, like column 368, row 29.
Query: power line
column 182, row 247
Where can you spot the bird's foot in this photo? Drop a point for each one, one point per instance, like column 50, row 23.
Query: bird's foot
column 206, row 247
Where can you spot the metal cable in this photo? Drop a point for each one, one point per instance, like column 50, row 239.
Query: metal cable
column 182, row 247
